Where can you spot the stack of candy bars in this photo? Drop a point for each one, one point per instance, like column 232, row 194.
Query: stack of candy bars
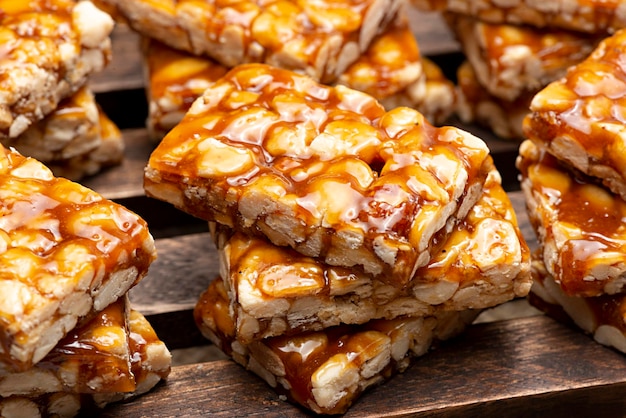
column 574, row 182
column 47, row 110
column 351, row 238
column 514, row 49
column 69, row 341
column 366, row 45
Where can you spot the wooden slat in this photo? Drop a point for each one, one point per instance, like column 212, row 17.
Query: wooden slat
column 431, row 32
column 125, row 63
column 184, row 268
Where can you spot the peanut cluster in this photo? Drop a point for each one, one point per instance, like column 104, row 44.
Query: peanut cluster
column 52, row 47
column 277, row 291
column 318, row 38
column 113, row 357
column 327, row 370
column 587, row 106
column 322, row 169
column 579, row 224
column 65, row 251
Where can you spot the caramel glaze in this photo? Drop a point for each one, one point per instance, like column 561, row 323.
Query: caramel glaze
column 94, row 352
column 284, row 273
column 595, row 99
column 606, row 309
column 302, row 354
column 377, row 194
column 599, row 223
column 30, row 36
column 555, row 49
column 172, row 70
column 141, row 335
column 55, row 214
column 379, row 70
column 588, row 16
column 311, row 28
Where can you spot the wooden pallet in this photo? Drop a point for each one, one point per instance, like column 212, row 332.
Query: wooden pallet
column 525, row 366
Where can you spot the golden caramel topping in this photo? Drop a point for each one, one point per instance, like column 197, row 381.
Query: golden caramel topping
column 113, row 357
column 390, row 70
column 513, row 60
column 150, row 356
column 590, row 313
column 178, row 73
column 270, row 146
column 390, row 64
column 59, row 241
column 476, row 105
column 269, row 283
column 556, row 50
column 580, row 118
column 176, row 80
column 579, row 222
column 96, row 354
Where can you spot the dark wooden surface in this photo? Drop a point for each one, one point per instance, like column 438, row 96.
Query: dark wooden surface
column 521, row 367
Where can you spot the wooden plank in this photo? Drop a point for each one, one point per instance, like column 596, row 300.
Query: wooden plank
column 124, row 72
column 184, row 268
column 518, row 368
column 431, row 32
column 125, row 180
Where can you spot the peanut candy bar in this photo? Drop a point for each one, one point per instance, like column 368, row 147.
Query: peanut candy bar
column 511, row 61
column 175, row 80
column 275, row 290
column 327, row 371
column 476, row 105
column 322, row 169
column 589, row 16
column 112, row 358
column 320, row 38
column 602, row 317
column 438, row 101
column 108, row 153
column 71, row 129
column 391, row 66
column 578, row 224
column 51, row 47
column 65, row 253
column 390, row 70
column 580, row 118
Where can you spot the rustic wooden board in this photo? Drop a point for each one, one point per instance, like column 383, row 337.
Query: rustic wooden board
column 525, row 366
